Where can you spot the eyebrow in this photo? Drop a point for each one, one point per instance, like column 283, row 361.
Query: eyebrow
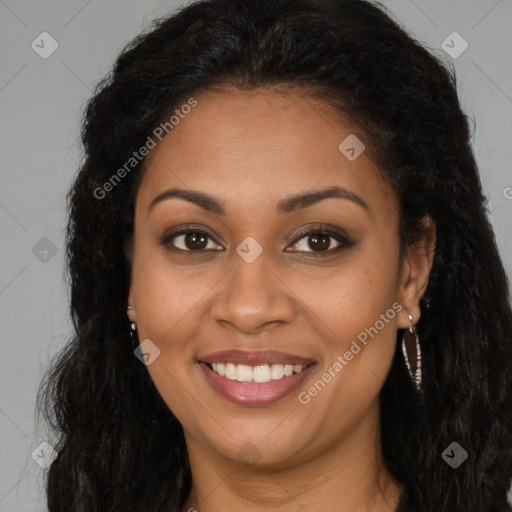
column 288, row 205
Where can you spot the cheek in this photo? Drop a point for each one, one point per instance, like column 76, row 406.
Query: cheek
column 167, row 298
column 356, row 305
column 351, row 296
column 170, row 305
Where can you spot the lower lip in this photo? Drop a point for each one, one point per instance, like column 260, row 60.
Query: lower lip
column 250, row 393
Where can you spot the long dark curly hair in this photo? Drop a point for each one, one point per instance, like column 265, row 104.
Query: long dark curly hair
column 119, row 447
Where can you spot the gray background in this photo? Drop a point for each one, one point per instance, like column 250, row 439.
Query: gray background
column 41, row 101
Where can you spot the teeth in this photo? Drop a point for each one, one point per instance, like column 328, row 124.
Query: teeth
column 243, row 373
column 288, row 370
column 230, row 371
column 277, row 371
column 260, row 374
column 221, row 369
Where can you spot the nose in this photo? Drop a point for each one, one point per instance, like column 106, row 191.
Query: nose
column 253, row 298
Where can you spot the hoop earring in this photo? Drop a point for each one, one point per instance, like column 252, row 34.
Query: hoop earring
column 412, row 354
column 133, row 334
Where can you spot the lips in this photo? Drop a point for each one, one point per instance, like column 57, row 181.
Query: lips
column 255, row 358
column 242, row 387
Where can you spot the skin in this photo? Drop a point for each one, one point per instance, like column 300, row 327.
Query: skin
column 250, row 151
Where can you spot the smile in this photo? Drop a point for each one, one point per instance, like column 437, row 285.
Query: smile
column 257, row 377
column 260, row 374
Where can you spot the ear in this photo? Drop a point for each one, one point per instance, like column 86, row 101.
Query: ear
column 128, row 251
column 415, row 273
column 131, row 312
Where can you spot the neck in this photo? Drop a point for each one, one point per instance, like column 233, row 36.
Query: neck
column 346, row 475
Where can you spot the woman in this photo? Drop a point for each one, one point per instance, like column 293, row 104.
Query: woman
column 279, row 206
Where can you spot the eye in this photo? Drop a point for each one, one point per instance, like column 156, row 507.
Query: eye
column 320, row 240
column 191, row 239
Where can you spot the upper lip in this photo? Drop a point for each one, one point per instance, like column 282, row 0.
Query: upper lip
column 254, row 358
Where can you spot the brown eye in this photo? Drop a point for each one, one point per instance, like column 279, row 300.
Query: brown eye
column 191, row 240
column 319, row 242
column 322, row 240
column 195, row 241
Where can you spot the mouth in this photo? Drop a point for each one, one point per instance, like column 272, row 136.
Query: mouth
column 255, row 378
column 256, row 374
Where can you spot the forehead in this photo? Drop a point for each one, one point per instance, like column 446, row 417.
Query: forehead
column 246, row 146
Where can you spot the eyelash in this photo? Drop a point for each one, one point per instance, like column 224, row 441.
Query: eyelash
column 343, row 240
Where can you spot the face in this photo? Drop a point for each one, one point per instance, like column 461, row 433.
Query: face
column 290, row 263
